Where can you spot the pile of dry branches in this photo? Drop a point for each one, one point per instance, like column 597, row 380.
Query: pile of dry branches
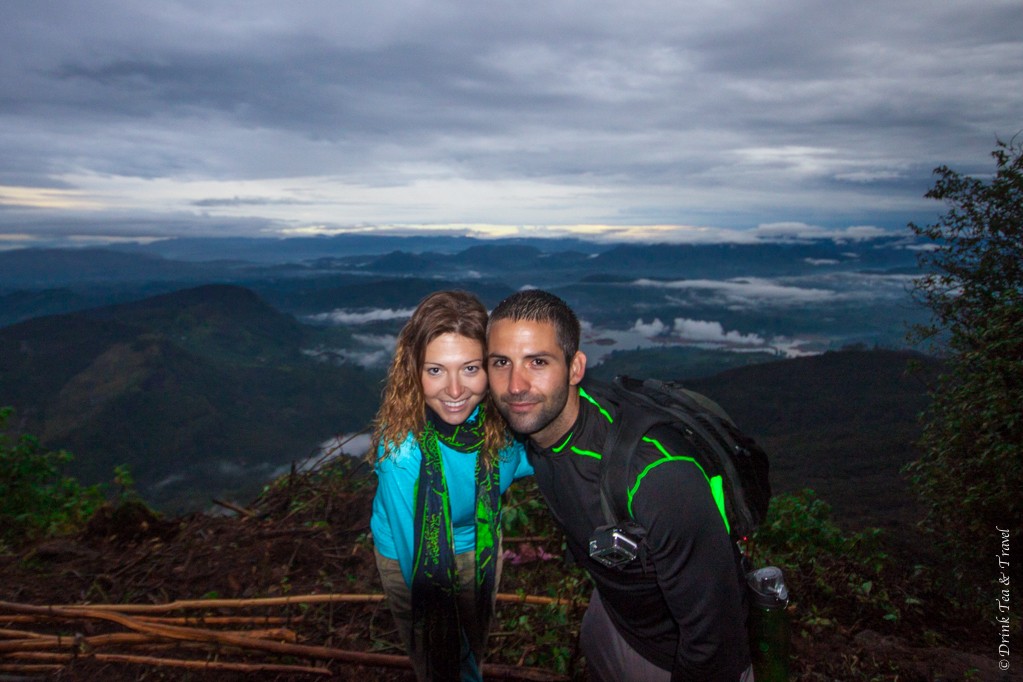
column 148, row 637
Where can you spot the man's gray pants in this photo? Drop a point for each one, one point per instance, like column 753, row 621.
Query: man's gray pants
column 609, row 658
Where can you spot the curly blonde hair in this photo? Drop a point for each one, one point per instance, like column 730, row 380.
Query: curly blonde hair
column 403, row 405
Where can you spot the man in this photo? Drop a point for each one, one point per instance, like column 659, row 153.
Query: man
column 677, row 611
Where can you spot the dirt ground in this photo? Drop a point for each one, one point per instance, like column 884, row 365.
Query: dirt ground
column 309, row 536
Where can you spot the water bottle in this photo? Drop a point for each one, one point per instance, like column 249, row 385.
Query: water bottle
column 769, row 624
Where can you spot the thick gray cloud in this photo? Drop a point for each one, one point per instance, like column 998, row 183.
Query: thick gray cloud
column 127, row 118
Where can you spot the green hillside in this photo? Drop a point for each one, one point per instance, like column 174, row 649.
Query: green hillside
column 200, row 391
column 842, row 423
column 206, row 391
column 226, row 322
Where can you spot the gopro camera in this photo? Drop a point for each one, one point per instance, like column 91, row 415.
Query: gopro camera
column 615, row 546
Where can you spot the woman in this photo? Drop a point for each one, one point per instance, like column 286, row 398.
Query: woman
column 443, row 457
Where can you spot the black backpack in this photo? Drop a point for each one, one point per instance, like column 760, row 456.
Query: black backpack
column 717, row 445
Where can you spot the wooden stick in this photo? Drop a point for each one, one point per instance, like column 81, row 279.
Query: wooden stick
column 210, row 636
column 176, row 632
column 225, row 603
column 235, row 508
column 280, row 601
column 19, row 634
column 176, row 620
column 34, row 641
column 224, row 620
column 177, row 663
column 29, row 668
column 536, row 599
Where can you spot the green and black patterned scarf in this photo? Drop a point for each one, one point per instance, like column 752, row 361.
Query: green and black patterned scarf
column 434, row 574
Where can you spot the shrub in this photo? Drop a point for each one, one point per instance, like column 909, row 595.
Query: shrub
column 36, row 499
column 969, row 475
column 832, row 573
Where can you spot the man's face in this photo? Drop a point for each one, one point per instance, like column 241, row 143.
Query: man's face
column 531, row 381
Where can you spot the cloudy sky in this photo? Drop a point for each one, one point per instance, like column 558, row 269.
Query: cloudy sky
column 620, row 120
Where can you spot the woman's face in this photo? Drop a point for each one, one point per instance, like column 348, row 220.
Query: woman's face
column 454, row 380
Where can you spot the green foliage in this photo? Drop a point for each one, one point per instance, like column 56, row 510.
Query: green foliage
column 36, row 499
column 125, row 483
column 535, row 635
column 545, row 636
column 542, row 636
column 970, row 473
column 833, row 574
column 525, row 513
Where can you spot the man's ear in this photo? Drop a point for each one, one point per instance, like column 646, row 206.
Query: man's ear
column 576, row 368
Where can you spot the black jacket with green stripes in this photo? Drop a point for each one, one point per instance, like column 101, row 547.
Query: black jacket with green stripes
column 681, row 603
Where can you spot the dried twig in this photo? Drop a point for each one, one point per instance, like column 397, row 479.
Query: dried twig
column 172, row 620
column 225, row 603
column 35, row 641
column 210, row 636
column 225, row 620
column 535, row 599
column 248, row 513
column 251, row 640
column 284, row 601
column 175, row 662
column 28, row 668
column 18, row 634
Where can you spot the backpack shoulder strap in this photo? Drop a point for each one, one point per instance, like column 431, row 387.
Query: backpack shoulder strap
column 630, row 424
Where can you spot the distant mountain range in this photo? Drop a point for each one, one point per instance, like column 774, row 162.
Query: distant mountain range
column 833, row 293
column 191, row 260
column 41, row 268
column 208, row 365
column 299, row 249
column 200, row 391
column 206, row 392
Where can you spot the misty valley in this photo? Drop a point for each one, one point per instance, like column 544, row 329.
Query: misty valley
column 211, row 366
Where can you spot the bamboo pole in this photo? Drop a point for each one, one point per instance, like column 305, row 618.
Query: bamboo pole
column 224, row 620
column 284, row 601
column 210, row 636
column 19, row 634
column 30, row 668
column 33, row 640
column 173, row 620
column 190, row 634
column 175, row 662
column 536, row 600
column 226, row 603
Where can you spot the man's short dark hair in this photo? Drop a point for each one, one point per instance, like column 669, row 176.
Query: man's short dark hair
column 536, row 305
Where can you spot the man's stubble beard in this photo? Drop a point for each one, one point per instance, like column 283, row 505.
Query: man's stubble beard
column 534, row 422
